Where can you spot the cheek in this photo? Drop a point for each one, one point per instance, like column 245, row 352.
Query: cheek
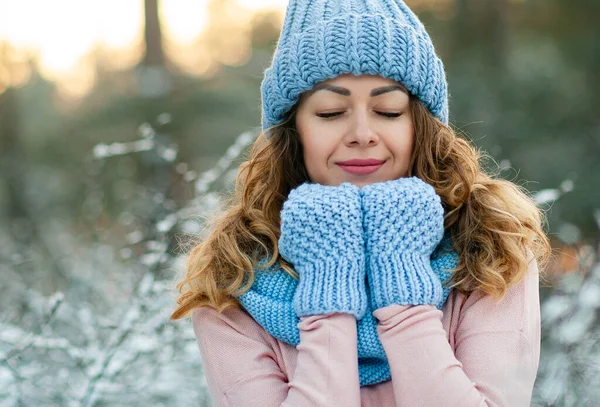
column 316, row 149
column 403, row 146
column 317, row 145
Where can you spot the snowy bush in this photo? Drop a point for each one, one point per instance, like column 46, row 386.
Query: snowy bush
column 569, row 372
column 105, row 339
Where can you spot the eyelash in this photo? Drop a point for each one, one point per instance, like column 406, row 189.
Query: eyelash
column 334, row 114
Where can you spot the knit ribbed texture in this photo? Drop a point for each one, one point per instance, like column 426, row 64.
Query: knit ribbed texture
column 403, row 223
column 322, row 39
column 270, row 302
column 321, row 236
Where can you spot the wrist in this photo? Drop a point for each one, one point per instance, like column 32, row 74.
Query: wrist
column 403, row 278
column 330, row 285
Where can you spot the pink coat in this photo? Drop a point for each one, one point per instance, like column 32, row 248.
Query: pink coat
column 474, row 352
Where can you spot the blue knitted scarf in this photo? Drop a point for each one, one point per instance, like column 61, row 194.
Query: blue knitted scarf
column 269, row 302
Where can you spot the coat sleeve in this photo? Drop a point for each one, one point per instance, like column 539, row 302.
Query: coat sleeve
column 495, row 357
column 242, row 368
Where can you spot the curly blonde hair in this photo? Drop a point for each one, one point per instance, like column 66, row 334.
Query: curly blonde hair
column 495, row 226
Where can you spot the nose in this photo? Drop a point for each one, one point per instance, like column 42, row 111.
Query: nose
column 361, row 131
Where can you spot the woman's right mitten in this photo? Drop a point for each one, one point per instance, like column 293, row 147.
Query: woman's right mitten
column 322, row 237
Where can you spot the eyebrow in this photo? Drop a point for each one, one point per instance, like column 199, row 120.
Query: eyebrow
column 346, row 92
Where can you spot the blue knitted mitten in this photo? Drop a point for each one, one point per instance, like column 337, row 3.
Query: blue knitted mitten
column 403, row 222
column 322, row 237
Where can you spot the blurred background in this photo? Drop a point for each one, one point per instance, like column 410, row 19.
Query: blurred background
column 122, row 124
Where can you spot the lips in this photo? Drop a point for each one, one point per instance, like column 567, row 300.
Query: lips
column 361, row 162
column 358, row 166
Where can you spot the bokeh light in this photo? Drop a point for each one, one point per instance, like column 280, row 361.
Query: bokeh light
column 65, row 36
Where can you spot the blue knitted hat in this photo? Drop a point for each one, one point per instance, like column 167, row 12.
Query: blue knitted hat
column 322, row 39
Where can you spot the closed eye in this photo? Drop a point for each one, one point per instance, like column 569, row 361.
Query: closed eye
column 389, row 114
column 328, row 115
column 334, row 114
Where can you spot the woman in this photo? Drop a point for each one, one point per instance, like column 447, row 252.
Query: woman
column 365, row 258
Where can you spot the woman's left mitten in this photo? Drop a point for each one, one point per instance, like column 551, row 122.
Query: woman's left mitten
column 403, row 222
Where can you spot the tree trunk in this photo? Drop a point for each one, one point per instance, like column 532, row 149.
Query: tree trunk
column 153, row 78
column 154, row 52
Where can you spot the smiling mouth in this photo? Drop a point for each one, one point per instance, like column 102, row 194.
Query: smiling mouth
column 360, row 169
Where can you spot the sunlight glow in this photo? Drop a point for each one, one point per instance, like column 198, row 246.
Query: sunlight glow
column 65, row 37
column 63, row 31
column 61, row 34
column 260, row 4
column 183, row 20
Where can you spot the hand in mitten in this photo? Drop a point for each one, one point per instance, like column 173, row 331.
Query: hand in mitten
column 403, row 222
column 322, row 237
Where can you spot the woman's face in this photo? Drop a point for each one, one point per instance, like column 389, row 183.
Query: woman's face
column 355, row 118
